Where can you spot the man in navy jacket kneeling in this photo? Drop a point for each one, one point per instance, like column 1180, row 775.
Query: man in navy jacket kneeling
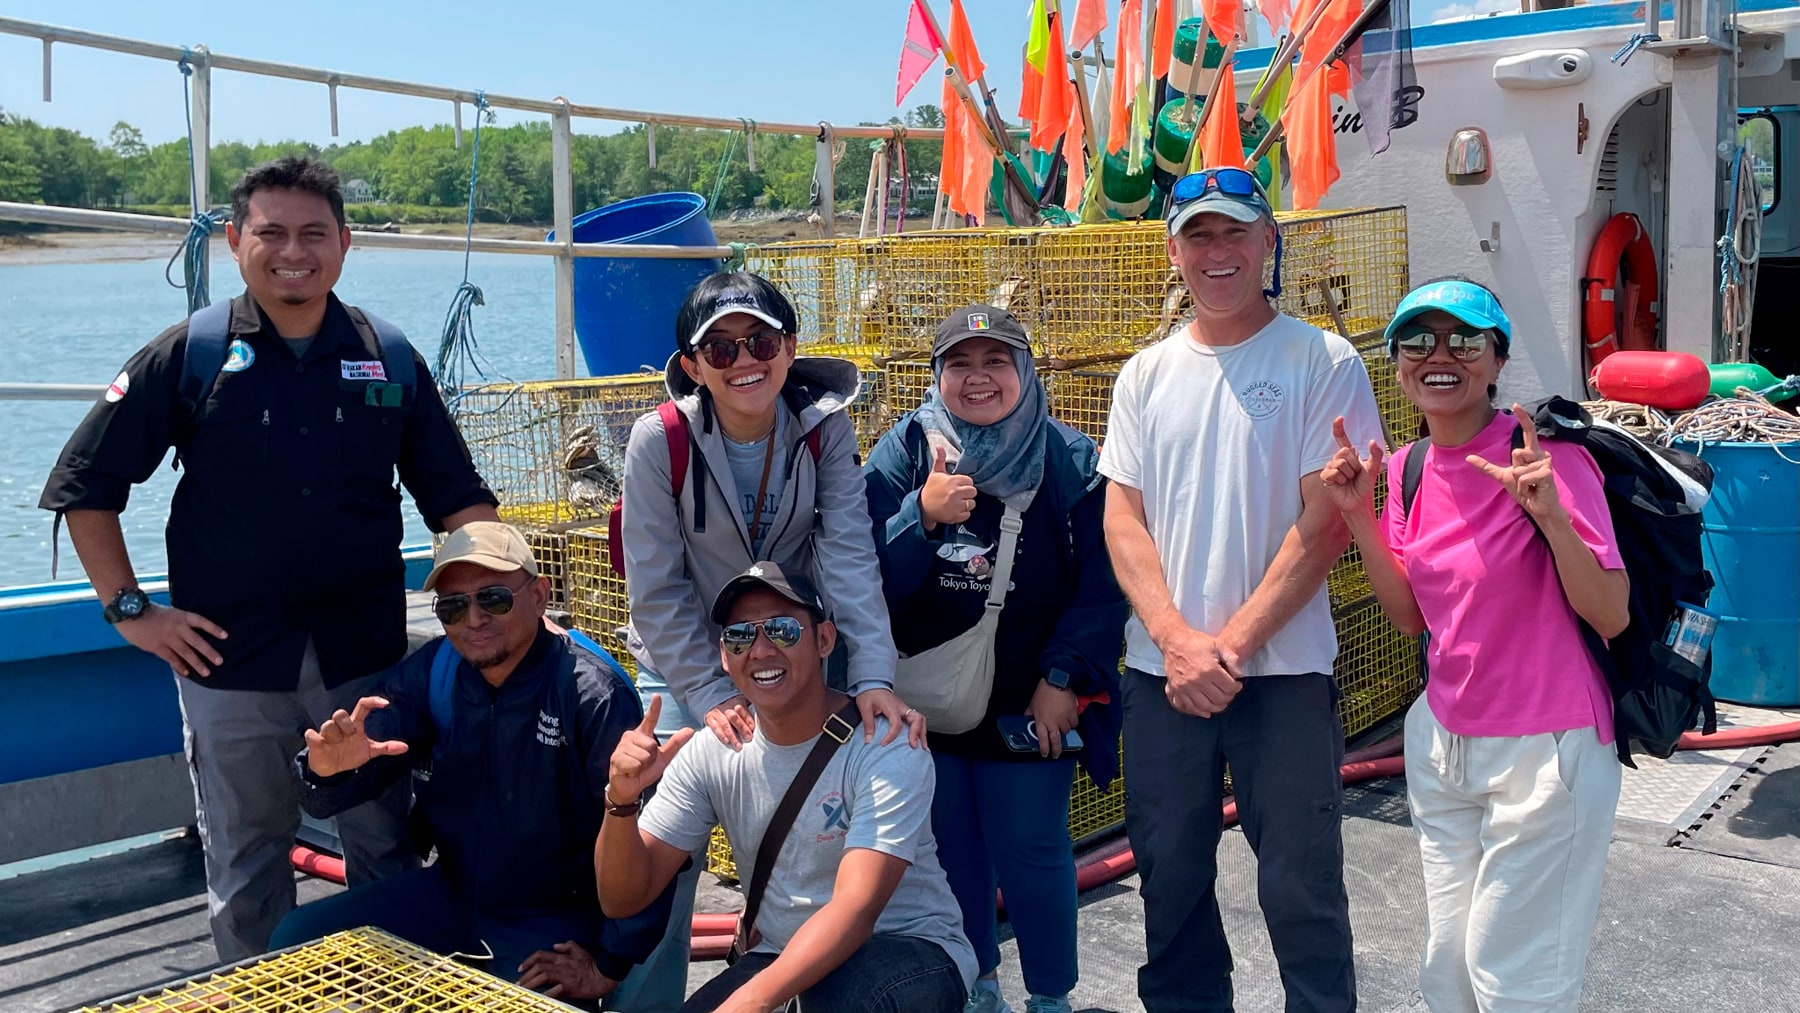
column 506, row 728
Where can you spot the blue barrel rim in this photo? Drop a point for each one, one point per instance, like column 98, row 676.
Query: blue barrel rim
column 696, row 205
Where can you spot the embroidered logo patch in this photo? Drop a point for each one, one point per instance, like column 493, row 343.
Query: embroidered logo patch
column 978, row 321
column 372, row 370
column 1261, row 399
column 239, row 357
column 116, row 390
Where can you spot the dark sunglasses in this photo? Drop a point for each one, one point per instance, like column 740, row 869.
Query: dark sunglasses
column 1417, row 341
column 720, row 353
column 1227, row 180
column 782, row 631
column 452, row 609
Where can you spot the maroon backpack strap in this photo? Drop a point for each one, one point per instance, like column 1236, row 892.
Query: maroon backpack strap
column 675, row 431
column 812, row 444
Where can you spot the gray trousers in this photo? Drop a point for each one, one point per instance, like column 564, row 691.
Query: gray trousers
column 1284, row 742
column 240, row 748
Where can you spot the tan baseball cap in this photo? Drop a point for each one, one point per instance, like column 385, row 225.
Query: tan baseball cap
column 488, row 544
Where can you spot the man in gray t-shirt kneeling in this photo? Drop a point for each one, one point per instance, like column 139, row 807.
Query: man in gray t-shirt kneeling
column 857, row 914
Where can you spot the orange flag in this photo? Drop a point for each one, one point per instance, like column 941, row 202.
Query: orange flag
column 1338, row 17
column 1221, row 139
column 1162, row 46
column 963, row 54
column 1074, row 152
column 1224, row 18
column 1056, row 94
column 1031, row 79
column 978, row 172
column 950, row 172
column 1128, row 66
column 1311, row 142
column 1090, row 21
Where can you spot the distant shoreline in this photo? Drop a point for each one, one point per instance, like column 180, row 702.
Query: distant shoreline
column 99, row 247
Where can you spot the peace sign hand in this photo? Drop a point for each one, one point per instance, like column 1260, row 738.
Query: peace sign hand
column 342, row 744
column 639, row 760
column 1349, row 479
column 1529, row 478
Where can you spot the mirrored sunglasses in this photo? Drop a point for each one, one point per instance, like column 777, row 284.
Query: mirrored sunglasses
column 782, row 631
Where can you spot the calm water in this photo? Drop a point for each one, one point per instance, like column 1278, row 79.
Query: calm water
column 78, row 323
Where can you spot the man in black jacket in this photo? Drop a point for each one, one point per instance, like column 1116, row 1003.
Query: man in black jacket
column 290, row 417
column 507, row 729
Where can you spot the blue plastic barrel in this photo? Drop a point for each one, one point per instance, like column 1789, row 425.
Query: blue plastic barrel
column 625, row 306
column 1751, row 543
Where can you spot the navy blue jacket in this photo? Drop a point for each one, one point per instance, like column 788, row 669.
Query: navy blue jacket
column 511, row 792
column 1065, row 609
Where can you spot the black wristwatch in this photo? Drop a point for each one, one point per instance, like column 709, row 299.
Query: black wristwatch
column 127, row 604
column 1056, row 678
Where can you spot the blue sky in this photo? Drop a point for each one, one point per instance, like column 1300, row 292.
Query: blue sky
column 788, row 60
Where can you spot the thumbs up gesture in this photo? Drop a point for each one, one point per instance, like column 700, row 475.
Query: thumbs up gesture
column 639, row 760
column 946, row 498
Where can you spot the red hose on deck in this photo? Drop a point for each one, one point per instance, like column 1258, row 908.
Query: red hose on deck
column 712, row 932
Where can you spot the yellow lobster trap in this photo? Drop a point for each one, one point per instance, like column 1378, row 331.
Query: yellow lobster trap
column 1090, row 296
column 363, row 969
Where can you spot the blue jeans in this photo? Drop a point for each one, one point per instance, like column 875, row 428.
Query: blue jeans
column 887, row 974
column 1006, row 824
column 421, row 908
column 1284, row 742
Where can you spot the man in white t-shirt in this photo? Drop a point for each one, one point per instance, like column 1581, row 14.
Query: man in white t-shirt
column 857, row 914
column 1221, row 536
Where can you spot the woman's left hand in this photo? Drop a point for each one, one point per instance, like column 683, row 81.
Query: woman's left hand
column 882, row 703
column 1055, row 712
column 1529, row 479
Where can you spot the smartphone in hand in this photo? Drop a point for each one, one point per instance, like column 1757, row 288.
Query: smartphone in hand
column 1020, row 734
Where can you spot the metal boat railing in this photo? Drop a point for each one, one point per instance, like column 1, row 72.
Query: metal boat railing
column 561, row 111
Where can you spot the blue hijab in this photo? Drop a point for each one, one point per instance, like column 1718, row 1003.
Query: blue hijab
column 1006, row 458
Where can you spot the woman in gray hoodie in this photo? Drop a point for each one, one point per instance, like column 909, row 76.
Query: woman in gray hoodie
column 768, row 470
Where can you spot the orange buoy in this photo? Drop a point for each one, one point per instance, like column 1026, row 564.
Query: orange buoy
column 1672, row 381
column 1619, row 291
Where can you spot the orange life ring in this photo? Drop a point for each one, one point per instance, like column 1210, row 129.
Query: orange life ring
column 1619, row 290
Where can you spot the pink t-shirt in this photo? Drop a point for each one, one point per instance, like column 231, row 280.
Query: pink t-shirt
column 1506, row 655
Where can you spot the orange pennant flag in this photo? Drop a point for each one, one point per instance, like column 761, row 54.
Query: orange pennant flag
column 1221, row 138
column 1090, row 21
column 963, row 54
column 1074, row 152
column 1224, row 18
column 978, row 171
column 1031, row 79
column 1162, row 46
column 1311, row 142
column 950, row 172
column 1128, row 66
column 1056, row 93
column 1339, row 16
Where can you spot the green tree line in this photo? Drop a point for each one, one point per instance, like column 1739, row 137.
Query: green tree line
column 422, row 173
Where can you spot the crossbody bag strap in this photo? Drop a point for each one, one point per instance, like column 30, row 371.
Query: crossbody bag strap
column 1011, row 523
column 838, row 729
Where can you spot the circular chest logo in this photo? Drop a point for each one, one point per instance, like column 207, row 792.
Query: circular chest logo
column 238, row 357
column 1261, row 400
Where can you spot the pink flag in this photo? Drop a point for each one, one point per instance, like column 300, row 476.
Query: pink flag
column 1090, row 21
column 918, row 51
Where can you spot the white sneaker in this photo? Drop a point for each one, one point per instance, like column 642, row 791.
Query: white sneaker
column 1047, row 1004
column 986, row 998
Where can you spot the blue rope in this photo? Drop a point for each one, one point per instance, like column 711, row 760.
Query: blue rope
column 458, row 353
column 195, row 250
column 1633, row 44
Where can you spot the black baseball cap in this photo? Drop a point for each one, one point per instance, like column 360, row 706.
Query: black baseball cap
column 979, row 321
column 719, row 295
column 767, row 575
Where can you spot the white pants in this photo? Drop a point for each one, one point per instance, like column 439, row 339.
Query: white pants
column 1513, row 834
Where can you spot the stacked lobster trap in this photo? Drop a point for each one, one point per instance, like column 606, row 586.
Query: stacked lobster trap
column 1090, row 296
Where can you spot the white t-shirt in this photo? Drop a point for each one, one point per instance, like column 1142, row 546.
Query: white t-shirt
column 1217, row 439
column 868, row 796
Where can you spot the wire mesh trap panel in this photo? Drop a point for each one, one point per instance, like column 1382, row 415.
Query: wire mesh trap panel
column 347, row 972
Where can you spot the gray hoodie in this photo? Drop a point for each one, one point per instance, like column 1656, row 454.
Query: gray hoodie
column 672, row 572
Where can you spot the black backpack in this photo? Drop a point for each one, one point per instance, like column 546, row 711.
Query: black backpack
column 1657, row 694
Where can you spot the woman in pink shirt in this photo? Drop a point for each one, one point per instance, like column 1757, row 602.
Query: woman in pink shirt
column 1510, row 774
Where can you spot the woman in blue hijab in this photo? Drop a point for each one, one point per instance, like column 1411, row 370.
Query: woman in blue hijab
column 980, row 487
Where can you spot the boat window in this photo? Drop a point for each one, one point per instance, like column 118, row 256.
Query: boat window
column 1758, row 132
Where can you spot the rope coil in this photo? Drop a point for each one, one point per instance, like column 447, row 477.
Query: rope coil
column 458, row 351
column 195, row 250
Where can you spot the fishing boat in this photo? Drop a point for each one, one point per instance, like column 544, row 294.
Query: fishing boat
column 1627, row 177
